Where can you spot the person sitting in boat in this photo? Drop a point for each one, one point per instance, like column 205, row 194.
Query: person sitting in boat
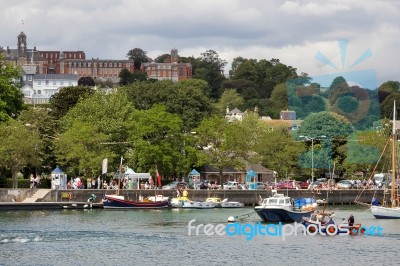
column 351, row 220
column 185, row 193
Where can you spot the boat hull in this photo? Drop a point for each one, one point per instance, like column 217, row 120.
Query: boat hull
column 232, row 204
column 385, row 213
column 276, row 215
column 110, row 202
column 198, row 205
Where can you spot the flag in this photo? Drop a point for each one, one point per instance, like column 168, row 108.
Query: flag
column 158, row 178
column 104, row 166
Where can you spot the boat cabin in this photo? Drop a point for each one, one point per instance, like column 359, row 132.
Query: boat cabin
column 277, row 200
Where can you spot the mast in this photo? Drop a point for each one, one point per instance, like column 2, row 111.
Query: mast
column 120, row 175
column 393, row 155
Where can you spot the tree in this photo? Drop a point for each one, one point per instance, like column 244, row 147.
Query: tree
column 110, row 118
column 185, row 98
column 10, row 95
column 38, row 120
column 209, row 67
column 219, row 137
column 229, row 99
column 125, row 77
column 158, row 139
column 18, row 147
column 388, row 88
column 162, row 58
column 86, row 81
column 138, row 56
column 336, row 129
column 276, row 145
column 66, row 98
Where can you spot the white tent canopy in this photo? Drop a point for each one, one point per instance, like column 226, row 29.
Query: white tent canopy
column 135, row 177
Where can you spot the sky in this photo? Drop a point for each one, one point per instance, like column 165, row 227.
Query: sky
column 320, row 38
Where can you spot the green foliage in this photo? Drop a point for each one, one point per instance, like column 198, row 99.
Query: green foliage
column 38, row 120
column 387, row 88
column 80, row 148
column 17, row 147
column 229, row 99
column 185, row 98
column 109, row 119
column 327, row 124
column 10, row 95
column 138, row 56
column 209, row 67
column 66, row 98
column 158, row 140
column 220, row 138
column 126, row 77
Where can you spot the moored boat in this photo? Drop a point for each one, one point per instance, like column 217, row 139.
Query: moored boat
column 323, row 223
column 280, row 208
column 119, row 202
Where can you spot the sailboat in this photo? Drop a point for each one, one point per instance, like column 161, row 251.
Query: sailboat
column 119, row 202
column 392, row 210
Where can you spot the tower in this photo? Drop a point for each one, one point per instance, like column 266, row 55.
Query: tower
column 174, row 56
column 22, row 51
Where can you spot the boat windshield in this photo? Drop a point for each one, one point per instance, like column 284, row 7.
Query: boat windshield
column 276, row 201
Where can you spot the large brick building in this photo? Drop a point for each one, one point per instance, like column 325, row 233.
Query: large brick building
column 65, row 62
column 171, row 69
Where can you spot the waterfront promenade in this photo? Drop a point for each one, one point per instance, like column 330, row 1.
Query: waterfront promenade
column 248, row 197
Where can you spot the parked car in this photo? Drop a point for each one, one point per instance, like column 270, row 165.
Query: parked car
column 175, row 185
column 304, row 185
column 288, row 184
column 209, row 184
column 231, row 185
column 344, row 184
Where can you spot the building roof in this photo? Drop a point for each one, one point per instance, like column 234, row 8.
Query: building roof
column 55, row 76
column 234, row 111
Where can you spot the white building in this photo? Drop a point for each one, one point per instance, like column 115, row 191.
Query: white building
column 46, row 85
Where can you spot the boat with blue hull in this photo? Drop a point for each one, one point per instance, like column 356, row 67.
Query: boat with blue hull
column 280, row 208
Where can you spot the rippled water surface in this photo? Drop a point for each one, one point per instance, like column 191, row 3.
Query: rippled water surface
column 160, row 237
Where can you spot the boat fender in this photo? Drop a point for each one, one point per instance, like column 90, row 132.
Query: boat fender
column 231, row 219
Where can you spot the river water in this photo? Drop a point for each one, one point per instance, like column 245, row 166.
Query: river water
column 160, row 237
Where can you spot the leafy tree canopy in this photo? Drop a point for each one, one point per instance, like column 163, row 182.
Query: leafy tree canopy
column 10, row 95
column 66, row 98
column 138, row 56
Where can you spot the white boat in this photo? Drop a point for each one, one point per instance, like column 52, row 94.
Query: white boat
column 231, row 204
column 281, row 208
column 381, row 212
column 224, row 203
column 391, row 209
column 197, row 205
column 157, row 198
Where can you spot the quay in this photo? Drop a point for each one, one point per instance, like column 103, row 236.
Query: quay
column 31, row 199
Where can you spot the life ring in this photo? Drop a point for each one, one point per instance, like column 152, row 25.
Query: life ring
column 331, row 229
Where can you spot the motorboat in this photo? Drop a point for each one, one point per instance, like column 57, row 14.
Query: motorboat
column 224, row 203
column 281, row 208
column 197, row 205
column 323, row 223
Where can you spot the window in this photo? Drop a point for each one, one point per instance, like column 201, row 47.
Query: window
column 115, row 64
column 39, row 83
column 54, row 83
column 39, row 92
column 120, row 64
column 47, row 82
column 30, row 78
column 128, row 65
column 89, row 64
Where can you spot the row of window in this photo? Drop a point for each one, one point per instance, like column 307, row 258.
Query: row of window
column 67, row 56
column 89, row 64
column 55, row 83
